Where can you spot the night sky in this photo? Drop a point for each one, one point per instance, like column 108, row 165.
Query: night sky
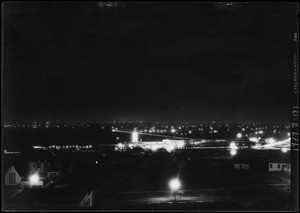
column 179, row 62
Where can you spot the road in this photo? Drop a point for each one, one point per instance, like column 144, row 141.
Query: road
column 253, row 196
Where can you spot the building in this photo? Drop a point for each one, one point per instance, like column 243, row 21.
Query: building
column 21, row 174
column 241, row 166
column 12, row 177
column 277, row 167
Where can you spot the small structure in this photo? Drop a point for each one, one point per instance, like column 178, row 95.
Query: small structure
column 277, row 167
column 87, row 201
column 241, row 166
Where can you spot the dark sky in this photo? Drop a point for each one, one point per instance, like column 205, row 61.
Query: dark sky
column 177, row 62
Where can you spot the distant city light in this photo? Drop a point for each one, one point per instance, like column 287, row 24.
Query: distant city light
column 180, row 144
column 253, row 139
column 34, row 179
column 284, row 150
column 135, row 136
column 271, row 140
column 239, row 135
column 232, row 145
column 289, row 134
column 96, row 162
column 173, row 130
column 260, row 132
column 233, row 152
column 170, row 148
column 174, row 184
column 154, row 147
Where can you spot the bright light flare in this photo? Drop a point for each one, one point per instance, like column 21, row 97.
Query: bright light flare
column 34, row 179
column 284, row 150
column 174, row 184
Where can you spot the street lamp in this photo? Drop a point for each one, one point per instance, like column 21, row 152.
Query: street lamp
column 239, row 135
column 34, row 179
column 175, row 186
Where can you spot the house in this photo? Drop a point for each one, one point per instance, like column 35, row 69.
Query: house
column 12, row 177
column 21, row 174
column 277, row 167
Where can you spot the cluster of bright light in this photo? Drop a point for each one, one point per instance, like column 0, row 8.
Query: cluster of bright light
column 175, row 184
column 62, row 147
column 154, row 147
column 170, row 148
column 232, row 145
column 135, row 136
column 233, row 148
column 120, row 145
column 180, row 144
column 239, row 135
column 270, row 140
column 233, row 151
column 253, row 139
column 34, row 179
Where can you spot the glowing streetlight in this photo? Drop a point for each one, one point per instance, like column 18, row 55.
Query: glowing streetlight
column 34, row 179
column 239, row 135
column 233, row 152
column 174, row 184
